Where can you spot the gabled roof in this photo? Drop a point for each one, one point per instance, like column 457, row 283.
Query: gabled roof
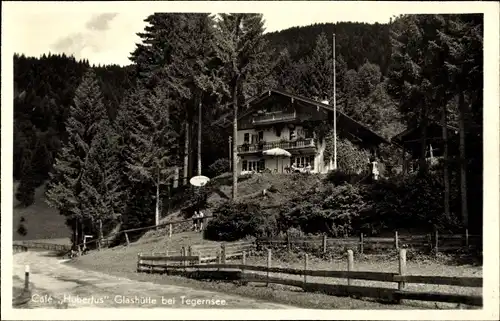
column 399, row 138
column 225, row 120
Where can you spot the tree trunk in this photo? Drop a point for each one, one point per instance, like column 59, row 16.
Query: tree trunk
column 423, row 144
column 199, row 139
column 100, row 234
column 445, row 165
column 157, row 211
column 191, row 148
column 186, row 154
column 463, row 165
column 76, row 232
column 235, row 141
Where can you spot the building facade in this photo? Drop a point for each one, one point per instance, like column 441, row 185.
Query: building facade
column 276, row 119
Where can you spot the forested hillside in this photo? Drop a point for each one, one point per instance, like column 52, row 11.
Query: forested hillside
column 44, row 88
column 110, row 140
column 357, row 42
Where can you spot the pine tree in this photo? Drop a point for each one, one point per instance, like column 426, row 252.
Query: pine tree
column 151, row 154
column 244, row 57
column 102, row 189
column 437, row 58
column 319, row 75
column 411, row 74
column 82, row 126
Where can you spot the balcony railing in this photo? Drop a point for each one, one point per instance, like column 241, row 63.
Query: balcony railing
column 299, row 143
column 274, row 118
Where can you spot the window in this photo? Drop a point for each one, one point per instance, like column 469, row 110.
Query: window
column 254, row 165
column 246, row 137
column 261, row 136
column 303, row 161
column 262, row 165
column 244, row 165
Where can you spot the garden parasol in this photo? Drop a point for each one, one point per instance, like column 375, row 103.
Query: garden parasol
column 277, row 152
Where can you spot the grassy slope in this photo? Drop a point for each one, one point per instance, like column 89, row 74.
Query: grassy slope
column 122, row 260
column 42, row 222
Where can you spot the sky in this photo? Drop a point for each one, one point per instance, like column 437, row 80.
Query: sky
column 105, row 32
column 106, row 37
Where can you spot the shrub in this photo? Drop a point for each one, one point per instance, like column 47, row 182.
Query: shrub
column 21, row 228
column 234, row 221
column 26, row 192
column 219, row 167
column 338, row 177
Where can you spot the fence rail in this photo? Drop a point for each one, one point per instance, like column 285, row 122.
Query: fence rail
column 20, row 246
column 191, row 266
column 431, row 242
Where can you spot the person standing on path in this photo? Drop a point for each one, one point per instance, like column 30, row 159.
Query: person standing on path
column 200, row 220
column 195, row 221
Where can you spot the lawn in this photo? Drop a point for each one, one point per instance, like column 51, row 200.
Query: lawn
column 41, row 221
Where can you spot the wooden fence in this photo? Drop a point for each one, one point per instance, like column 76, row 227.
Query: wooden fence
column 434, row 242
column 100, row 242
column 20, row 246
column 192, row 266
column 208, row 253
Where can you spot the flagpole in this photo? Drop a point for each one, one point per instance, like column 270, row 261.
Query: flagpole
column 334, row 109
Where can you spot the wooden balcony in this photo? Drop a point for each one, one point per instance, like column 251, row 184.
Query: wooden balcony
column 306, row 144
column 273, row 118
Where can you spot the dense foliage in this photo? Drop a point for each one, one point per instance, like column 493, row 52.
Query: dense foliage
column 234, row 221
column 219, row 167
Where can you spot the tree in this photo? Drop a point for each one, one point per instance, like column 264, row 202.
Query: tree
column 176, row 52
column 319, row 75
column 412, row 72
column 102, row 189
column 438, row 58
column 242, row 53
column 462, row 42
column 151, row 153
column 71, row 163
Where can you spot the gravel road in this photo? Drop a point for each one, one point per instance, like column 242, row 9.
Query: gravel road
column 58, row 285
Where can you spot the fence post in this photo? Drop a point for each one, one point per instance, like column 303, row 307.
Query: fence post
column 170, row 230
column 199, row 257
column 223, row 250
column 306, row 259
column 402, row 268
column 268, row 264
column 127, row 239
column 436, row 244
column 324, row 243
column 190, row 253
column 467, row 237
column 350, row 264
column 396, row 240
column 26, row 277
column 139, row 262
column 361, row 243
column 243, row 261
column 219, row 256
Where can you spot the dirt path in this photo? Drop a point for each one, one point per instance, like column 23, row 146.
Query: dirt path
column 58, row 285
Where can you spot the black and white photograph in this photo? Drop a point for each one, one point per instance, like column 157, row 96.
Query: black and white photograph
column 292, row 159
